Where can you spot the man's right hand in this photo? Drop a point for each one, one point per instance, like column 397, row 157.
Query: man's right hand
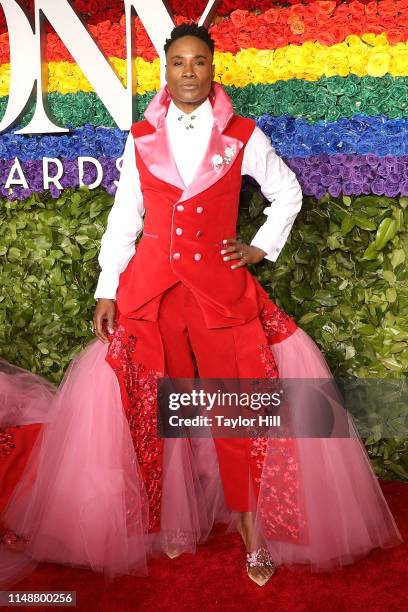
column 104, row 311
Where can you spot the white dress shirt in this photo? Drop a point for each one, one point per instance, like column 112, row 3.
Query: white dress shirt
column 125, row 221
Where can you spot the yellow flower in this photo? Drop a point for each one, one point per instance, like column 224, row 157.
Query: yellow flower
column 4, row 79
column 399, row 63
column 228, row 78
column 369, row 38
column 369, row 54
column 381, row 40
column 378, row 64
column 265, row 58
column 354, row 41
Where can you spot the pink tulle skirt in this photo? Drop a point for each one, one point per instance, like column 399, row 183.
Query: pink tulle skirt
column 81, row 500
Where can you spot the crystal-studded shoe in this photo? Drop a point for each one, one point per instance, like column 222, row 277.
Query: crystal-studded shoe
column 259, row 558
column 172, row 553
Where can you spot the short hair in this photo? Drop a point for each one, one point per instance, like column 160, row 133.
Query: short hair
column 190, row 29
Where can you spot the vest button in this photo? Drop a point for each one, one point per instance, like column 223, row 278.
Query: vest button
column 179, row 231
column 176, row 255
column 180, row 207
column 197, row 256
column 199, row 209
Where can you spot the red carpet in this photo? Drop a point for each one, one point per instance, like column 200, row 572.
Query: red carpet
column 214, row 579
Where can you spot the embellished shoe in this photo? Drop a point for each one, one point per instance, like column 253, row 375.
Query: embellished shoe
column 260, row 558
column 172, row 553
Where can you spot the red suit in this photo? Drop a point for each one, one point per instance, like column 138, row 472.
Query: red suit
column 205, row 217
column 178, row 274
column 100, row 488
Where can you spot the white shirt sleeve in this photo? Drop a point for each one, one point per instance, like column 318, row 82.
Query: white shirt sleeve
column 124, row 225
column 279, row 185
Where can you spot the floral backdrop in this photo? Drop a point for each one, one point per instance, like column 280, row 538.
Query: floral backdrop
column 327, row 81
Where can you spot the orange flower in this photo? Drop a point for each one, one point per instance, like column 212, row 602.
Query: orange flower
column 272, row 15
column 356, row 9
column 325, row 6
column 388, row 8
column 296, row 24
column 371, row 9
column 239, row 18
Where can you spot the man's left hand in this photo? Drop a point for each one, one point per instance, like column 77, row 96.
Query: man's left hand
column 245, row 253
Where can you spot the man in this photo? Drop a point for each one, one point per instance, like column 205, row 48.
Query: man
column 101, row 489
column 178, row 268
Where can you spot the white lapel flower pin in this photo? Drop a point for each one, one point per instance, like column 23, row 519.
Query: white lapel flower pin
column 218, row 160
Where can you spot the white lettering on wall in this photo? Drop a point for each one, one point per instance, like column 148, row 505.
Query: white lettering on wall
column 119, row 164
column 28, row 70
column 20, row 179
column 81, row 171
column 47, row 179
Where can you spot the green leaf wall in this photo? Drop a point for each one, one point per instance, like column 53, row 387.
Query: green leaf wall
column 342, row 275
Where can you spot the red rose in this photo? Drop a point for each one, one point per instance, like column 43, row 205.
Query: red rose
column 356, row 9
column 325, row 6
column 326, row 38
column 244, row 40
column 371, row 9
column 272, row 15
column 387, row 8
column 395, row 35
column 239, row 18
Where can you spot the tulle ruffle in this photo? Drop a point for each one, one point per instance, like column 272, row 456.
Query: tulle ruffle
column 345, row 509
column 82, row 502
column 24, row 397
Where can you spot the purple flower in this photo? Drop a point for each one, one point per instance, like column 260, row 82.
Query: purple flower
column 404, row 188
column 335, row 189
column 378, row 186
column 391, row 189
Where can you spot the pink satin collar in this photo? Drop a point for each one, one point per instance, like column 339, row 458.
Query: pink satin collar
column 223, row 110
column 155, row 149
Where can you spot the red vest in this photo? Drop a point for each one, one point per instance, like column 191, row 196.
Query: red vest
column 182, row 242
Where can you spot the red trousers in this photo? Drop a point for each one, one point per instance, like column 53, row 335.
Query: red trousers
column 192, row 350
column 180, row 345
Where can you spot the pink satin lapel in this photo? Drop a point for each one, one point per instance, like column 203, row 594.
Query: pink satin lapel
column 207, row 174
column 155, row 151
column 155, row 148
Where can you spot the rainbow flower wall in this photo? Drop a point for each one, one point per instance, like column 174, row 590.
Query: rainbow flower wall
column 325, row 81
column 328, row 83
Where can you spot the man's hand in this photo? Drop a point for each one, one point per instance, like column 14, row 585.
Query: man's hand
column 104, row 311
column 246, row 253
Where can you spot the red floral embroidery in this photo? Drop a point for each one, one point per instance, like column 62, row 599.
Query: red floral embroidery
column 276, row 323
column 6, row 443
column 12, row 541
column 268, row 361
column 275, row 461
column 139, row 394
column 281, row 505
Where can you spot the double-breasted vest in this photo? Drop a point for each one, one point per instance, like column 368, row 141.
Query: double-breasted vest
column 182, row 234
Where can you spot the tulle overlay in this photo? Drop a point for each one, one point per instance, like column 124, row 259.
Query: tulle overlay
column 82, row 501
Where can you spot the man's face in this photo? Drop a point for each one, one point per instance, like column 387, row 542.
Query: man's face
column 189, row 72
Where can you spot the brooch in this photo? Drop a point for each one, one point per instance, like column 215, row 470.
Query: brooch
column 187, row 121
column 218, row 160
